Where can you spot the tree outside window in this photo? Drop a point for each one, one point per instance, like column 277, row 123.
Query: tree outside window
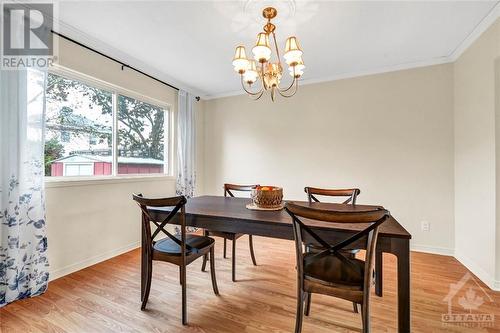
column 79, row 131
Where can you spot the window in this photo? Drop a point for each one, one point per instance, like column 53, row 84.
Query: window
column 141, row 135
column 81, row 131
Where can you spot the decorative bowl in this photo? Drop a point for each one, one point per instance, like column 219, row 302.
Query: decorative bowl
column 267, row 196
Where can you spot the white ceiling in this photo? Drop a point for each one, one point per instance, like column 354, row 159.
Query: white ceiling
column 191, row 43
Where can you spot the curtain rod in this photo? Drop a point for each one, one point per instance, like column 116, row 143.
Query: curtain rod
column 124, row 65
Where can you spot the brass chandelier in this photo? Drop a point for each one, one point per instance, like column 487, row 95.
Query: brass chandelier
column 263, row 69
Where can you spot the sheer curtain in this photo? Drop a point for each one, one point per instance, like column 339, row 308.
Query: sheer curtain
column 186, row 153
column 23, row 241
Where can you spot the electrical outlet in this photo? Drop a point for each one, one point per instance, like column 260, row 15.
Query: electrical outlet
column 426, row 226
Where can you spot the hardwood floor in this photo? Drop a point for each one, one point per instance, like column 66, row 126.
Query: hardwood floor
column 106, row 298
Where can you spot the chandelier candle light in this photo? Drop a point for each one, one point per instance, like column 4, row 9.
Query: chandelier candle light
column 262, row 69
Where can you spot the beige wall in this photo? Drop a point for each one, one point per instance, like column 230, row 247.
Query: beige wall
column 391, row 135
column 90, row 63
column 476, row 191
column 89, row 222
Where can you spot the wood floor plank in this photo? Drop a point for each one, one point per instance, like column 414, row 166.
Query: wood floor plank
column 106, row 298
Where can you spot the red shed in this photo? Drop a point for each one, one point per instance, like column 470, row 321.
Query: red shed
column 94, row 165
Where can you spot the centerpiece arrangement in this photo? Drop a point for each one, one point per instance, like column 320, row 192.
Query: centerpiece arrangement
column 266, row 198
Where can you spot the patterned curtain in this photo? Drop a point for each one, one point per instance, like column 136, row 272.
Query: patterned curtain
column 186, row 154
column 23, row 241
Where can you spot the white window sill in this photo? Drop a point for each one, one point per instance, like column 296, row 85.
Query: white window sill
column 51, row 182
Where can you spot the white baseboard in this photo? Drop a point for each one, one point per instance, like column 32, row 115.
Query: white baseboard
column 496, row 285
column 433, row 249
column 478, row 271
column 60, row 272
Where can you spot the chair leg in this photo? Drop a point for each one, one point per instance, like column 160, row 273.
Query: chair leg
column 378, row 273
column 250, row 242
column 365, row 318
column 147, row 272
column 204, row 265
column 184, row 301
column 225, row 247
column 355, row 307
column 205, row 257
column 212, row 271
column 233, row 261
column 307, row 309
column 300, row 312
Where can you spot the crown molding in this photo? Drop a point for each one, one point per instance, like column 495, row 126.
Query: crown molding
column 224, row 94
column 480, row 28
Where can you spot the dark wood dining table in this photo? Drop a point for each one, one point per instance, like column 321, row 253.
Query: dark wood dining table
column 231, row 215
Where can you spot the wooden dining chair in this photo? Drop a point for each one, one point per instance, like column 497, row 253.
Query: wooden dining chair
column 330, row 271
column 348, row 196
column 180, row 252
column 228, row 188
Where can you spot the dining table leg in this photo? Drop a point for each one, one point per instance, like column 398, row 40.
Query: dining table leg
column 401, row 248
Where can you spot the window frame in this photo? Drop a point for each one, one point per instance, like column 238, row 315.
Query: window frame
column 115, row 90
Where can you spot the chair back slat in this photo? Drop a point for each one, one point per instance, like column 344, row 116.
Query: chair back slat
column 315, row 213
column 302, row 216
column 159, row 202
column 229, row 188
column 351, row 194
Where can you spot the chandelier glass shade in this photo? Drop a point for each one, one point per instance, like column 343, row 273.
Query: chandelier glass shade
column 261, row 73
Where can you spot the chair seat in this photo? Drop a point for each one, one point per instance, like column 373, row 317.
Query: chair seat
column 223, row 234
column 196, row 242
column 333, row 270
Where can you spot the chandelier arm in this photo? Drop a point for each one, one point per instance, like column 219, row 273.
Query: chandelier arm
column 294, row 91
column 259, row 95
column 276, row 47
column 248, row 91
column 289, row 87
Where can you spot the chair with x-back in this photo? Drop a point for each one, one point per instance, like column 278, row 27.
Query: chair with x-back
column 348, row 196
column 228, row 191
column 330, row 271
column 180, row 252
